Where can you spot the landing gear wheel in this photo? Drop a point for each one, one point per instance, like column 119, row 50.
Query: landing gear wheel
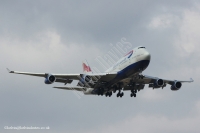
column 118, row 94
column 131, row 95
column 110, row 94
column 122, row 94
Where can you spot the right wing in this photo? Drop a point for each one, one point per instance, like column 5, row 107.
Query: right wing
column 68, row 78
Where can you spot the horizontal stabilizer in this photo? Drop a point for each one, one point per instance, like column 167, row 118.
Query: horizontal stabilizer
column 72, row 88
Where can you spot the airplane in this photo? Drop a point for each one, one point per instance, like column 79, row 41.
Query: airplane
column 124, row 75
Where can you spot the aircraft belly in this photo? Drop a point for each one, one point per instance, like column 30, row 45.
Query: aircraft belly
column 129, row 70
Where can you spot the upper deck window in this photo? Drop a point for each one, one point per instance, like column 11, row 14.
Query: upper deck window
column 141, row 47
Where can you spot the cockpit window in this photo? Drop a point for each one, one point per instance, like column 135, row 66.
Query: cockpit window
column 141, row 47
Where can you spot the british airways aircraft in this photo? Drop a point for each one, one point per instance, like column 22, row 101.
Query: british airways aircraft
column 124, row 75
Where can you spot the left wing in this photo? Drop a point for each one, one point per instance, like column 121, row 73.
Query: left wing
column 155, row 82
column 171, row 82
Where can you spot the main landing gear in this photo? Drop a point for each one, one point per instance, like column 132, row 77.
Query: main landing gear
column 119, row 88
column 100, row 92
column 108, row 94
column 133, row 93
column 120, row 94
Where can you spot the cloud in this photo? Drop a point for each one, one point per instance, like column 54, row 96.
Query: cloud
column 47, row 51
column 144, row 123
column 163, row 21
column 188, row 40
column 55, row 36
column 154, row 95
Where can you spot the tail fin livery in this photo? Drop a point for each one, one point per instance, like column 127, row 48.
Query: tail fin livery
column 86, row 68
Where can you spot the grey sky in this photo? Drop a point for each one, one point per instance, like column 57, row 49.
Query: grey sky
column 55, row 36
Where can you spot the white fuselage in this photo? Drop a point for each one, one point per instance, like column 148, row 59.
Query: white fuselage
column 132, row 63
column 136, row 55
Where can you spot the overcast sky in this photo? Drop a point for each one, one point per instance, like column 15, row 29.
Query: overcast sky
column 56, row 36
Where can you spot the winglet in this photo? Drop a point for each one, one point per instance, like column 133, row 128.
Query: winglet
column 9, row 71
column 191, row 80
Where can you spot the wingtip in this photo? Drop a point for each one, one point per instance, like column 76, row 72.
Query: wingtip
column 9, row 70
column 191, row 80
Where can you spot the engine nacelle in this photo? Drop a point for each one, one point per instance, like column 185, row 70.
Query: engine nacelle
column 85, row 80
column 50, row 79
column 88, row 79
column 176, row 86
column 158, row 83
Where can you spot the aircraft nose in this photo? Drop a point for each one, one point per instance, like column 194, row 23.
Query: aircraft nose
column 147, row 55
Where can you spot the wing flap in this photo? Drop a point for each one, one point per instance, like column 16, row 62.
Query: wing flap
column 66, row 81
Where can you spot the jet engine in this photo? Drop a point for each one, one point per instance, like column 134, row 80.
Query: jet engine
column 85, row 80
column 50, row 79
column 176, row 86
column 158, row 83
column 88, row 79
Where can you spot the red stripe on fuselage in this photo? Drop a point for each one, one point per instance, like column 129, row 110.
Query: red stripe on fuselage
column 129, row 52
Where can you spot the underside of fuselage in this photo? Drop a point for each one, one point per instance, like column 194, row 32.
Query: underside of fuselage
column 130, row 70
column 139, row 59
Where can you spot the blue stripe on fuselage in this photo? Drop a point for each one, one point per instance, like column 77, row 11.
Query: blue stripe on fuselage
column 129, row 70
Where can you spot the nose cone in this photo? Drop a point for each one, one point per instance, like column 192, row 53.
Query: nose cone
column 146, row 56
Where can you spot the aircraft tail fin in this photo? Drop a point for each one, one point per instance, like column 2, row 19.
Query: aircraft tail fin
column 86, row 67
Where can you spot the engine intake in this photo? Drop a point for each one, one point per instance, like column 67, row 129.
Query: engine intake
column 88, row 79
column 158, row 83
column 176, row 86
column 50, row 79
column 85, row 80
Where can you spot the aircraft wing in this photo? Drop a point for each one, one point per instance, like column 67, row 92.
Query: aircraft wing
column 150, row 80
column 68, row 78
